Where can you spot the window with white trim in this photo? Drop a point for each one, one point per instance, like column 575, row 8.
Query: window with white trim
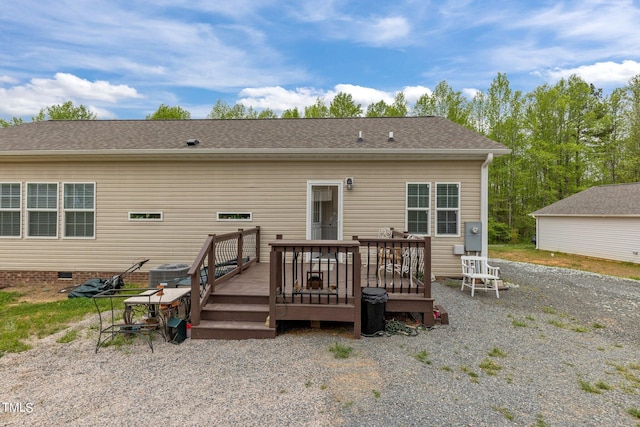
column 10, row 213
column 447, row 209
column 42, row 209
column 79, row 204
column 418, row 204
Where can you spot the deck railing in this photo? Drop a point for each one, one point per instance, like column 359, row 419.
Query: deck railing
column 400, row 264
column 316, row 274
column 220, row 258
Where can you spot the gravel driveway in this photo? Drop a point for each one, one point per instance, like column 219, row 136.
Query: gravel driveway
column 559, row 348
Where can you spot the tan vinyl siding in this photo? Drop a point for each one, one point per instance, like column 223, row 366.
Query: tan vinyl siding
column 599, row 237
column 189, row 194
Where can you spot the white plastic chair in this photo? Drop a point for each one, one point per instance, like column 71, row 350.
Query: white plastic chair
column 476, row 268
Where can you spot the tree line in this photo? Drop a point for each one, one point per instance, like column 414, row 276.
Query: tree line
column 565, row 137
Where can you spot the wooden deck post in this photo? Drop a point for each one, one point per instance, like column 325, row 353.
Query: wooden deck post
column 357, row 292
column 258, row 243
column 427, row 267
column 240, row 250
column 195, row 300
column 275, row 279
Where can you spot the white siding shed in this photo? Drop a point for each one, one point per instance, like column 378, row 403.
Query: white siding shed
column 601, row 222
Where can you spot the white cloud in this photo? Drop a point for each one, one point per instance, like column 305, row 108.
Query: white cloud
column 28, row 99
column 388, row 30
column 413, row 93
column 102, row 113
column 279, row 99
column 544, row 39
column 363, row 95
column 8, row 79
column 314, row 11
column 470, row 93
column 71, row 86
column 600, row 73
column 161, row 47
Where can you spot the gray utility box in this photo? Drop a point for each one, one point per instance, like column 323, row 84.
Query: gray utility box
column 473, row 236
column 167, row 273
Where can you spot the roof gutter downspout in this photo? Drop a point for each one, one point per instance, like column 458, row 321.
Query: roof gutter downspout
column 484, row 203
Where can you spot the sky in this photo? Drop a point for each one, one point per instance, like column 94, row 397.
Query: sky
column 122, row 59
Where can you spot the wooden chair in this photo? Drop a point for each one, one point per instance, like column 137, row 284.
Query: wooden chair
column 476, row 268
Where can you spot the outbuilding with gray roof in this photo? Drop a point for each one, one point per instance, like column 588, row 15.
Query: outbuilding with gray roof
column 601, row 222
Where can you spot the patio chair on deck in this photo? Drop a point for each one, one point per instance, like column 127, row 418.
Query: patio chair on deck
column 395, row 261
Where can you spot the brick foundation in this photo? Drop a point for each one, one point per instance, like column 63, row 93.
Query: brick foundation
column 14, row 278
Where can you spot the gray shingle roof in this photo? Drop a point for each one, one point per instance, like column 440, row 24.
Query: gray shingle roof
column 409, row 133
column 604, row 200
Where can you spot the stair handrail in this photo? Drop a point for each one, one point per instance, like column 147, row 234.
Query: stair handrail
column 206, row 272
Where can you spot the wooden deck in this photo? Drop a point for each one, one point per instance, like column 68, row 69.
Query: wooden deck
column 239, row 307
column 235, row 296
column 253, row 282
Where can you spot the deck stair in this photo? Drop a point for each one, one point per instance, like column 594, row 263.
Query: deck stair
column 233, row 317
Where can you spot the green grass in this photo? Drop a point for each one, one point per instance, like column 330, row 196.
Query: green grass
column 581, row 329
column 496, row 352
column 69, row 336
column 22, row 321
column 557, row 324
column 588, row 387
column 528, row 253
column 450, row 283
column 504, row 411
column 634, row 412
column 490, row 367
column 473, row 375
column 423, row 357
column 341, row 351
column 603, row 386
column 119, row 340
column 519, row 323
column 540, row 421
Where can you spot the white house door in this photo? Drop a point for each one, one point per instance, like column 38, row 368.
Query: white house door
column 324, row 210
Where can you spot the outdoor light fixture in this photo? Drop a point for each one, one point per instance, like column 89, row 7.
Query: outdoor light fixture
column 349, row 182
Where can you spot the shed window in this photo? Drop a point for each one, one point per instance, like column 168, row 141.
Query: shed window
column 418, row 203
column 42, row 209
column 79, row 209
column 447, row 209
column 10, row 215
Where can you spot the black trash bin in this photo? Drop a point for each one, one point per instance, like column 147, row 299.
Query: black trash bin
column 373, row 308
